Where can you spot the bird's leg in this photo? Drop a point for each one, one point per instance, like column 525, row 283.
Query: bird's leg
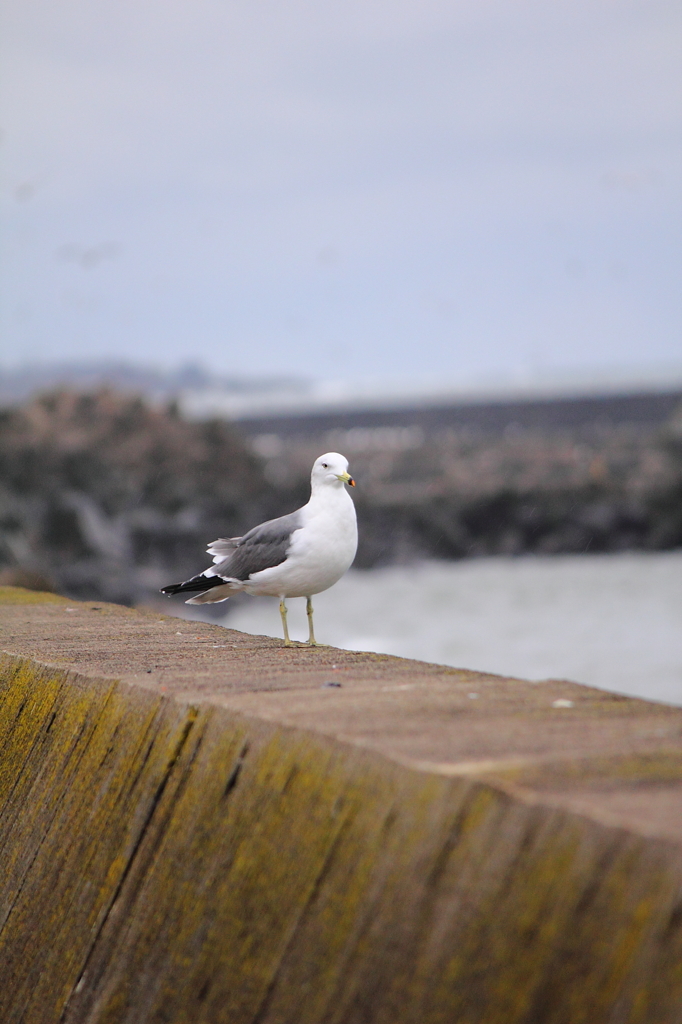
column 309, row 612
column 283, row 613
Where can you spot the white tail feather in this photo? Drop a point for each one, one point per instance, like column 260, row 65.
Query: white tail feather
column 222, row 547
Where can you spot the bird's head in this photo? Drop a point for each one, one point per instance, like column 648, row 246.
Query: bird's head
column 331, row 468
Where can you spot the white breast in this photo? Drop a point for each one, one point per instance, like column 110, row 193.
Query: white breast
column 321, row 550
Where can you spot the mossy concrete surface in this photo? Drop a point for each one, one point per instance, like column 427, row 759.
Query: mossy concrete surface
column 195, row 827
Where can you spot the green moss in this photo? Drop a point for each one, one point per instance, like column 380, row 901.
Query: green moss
column 170, row 862
column 19, row 595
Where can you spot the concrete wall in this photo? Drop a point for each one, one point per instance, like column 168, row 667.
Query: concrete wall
column 174, row 861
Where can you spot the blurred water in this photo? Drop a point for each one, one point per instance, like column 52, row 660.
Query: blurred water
column 613, row 621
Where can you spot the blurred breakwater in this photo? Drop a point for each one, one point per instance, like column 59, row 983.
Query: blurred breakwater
column 466, row 490
column 105, row 496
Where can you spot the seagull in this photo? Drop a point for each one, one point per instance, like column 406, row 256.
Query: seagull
column 297, row 555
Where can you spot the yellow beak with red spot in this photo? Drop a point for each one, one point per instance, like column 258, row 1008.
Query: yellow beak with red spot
column 346, row 478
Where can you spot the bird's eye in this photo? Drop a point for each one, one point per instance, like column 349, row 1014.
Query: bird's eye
column 325, row 465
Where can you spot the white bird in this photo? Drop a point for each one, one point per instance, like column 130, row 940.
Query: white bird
column 298, row 555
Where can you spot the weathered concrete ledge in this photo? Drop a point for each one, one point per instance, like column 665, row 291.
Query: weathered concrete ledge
column 195, row 828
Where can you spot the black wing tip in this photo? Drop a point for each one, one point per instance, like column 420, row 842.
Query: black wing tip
column 197, row 585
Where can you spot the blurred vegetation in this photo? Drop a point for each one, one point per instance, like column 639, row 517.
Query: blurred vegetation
column 105, row 496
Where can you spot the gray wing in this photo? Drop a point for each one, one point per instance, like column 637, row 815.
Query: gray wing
column 261, row 548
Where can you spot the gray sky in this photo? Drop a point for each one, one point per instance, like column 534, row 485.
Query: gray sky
column 437, row 189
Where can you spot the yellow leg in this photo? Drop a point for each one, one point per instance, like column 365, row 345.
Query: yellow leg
column 311, row 633
column 283, row 613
